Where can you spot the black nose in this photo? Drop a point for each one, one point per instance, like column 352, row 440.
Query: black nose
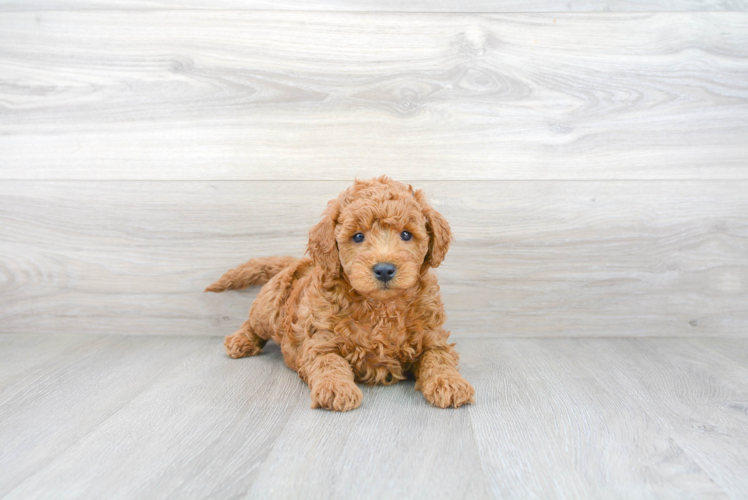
column 384, row 271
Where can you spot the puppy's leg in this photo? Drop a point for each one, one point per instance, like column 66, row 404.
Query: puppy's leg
column 439, row 380
column 263, row 317
column 244, row 342
column 331, row 381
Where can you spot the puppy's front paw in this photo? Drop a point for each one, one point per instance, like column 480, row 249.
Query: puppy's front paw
column 447, row 390
column 336, row 395
column 239, row 345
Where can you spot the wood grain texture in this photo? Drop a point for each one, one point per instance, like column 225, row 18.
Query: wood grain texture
column 600, row 442
column 200, row 430
column 554, row 418
column 695, row 391
column 23, row 359
column 390, row 5
column 305, row 95
column 39, row 421
column 397, row 446
column 530, row 258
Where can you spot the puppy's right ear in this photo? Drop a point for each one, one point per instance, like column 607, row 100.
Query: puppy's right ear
column 322, row 247
column 440, row 235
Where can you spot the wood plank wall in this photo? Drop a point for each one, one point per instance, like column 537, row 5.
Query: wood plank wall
column 593, row 165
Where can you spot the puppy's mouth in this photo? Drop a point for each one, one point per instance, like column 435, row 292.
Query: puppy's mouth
column 386, row 290
column 366, row 282
column 391, row 285
column 377, row 290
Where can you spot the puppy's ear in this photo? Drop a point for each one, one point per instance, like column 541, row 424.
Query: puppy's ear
column 440, row 236
column 322, row 247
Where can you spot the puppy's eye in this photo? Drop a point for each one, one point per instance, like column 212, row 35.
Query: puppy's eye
column 358, row 237
column 405, row 235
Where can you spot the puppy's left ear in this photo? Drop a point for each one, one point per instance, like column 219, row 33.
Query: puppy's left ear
column 322, row 247
column 440, row 235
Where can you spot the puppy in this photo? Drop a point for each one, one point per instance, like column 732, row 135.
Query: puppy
column 364, row 306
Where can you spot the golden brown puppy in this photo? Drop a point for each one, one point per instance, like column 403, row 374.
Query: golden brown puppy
column 364, row 307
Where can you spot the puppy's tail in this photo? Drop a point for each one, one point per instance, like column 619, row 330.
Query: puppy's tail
column 254, row 272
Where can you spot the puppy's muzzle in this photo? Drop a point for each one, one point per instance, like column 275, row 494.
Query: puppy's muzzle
column 384, row 271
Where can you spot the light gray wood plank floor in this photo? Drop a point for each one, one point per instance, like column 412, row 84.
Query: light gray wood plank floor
column 85, row 416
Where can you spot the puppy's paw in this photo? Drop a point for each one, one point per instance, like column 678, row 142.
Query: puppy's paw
column 336, row 395
column 445, row 390
column 239, row 345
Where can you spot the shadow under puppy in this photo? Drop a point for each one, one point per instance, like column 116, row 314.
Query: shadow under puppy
column 364, row 307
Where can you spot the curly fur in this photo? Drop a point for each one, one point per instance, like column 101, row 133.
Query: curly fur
column 336, row 323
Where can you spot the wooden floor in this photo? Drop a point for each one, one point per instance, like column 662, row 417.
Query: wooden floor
column 86, row 416
column 591, row 157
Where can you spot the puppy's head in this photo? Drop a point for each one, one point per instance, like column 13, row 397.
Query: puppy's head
column 380, row 235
